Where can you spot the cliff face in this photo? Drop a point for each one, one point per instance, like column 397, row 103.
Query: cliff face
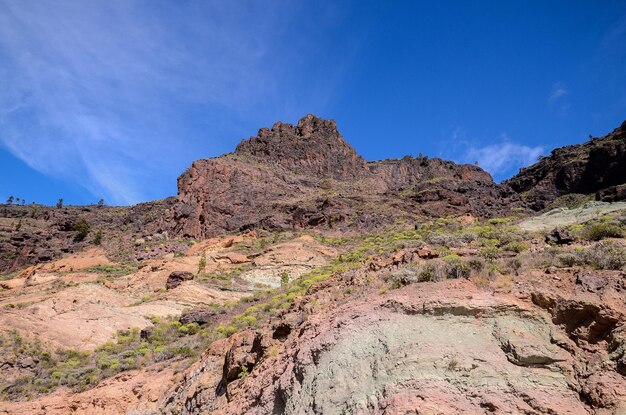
column 597, row 166
column 303, row 176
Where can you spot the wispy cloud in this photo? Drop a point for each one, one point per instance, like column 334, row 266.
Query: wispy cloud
column 558, row 99
column 503, row 157
column 99, row 92
column 558, row 91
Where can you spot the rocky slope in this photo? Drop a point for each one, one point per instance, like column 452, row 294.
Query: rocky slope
column 307, row 176
column 376, row 324
column 34, row 234
column 335, row 286
column 595, row 167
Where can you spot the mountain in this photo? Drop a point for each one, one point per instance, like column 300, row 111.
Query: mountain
column 306, row 176
column 294, row 277
column 597, row 167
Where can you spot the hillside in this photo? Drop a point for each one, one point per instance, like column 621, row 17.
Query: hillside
column 294, row 277
column 596, row 168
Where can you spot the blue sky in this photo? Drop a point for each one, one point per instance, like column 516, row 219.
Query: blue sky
column 114, row 99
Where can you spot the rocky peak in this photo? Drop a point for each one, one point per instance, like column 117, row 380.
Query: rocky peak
column 306, row 175
column 312, row 147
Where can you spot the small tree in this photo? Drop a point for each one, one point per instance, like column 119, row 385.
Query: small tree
column 284, row 278
column 100, row 202
column 82, row 227
column 97, row 239
column 10, row 200
column 60, row 203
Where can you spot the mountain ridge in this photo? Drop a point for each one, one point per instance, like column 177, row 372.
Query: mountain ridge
column 286, row 177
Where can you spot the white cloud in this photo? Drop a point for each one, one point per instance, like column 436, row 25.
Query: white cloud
column 95, row 92
column 504, row 157
column 557, row 92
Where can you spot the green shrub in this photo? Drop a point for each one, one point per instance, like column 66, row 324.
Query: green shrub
column 599, row 231
column 606, row 255
column 403, row 277
column 428, row 273
column 82, row 229
column 517, row 247
column 97, row 239
column 112, row 270
column 514, row 264
column 490, row 253
column 202, row 263
column 455, row 268
column 476, row 264
column 243, row 373
column 568, row 259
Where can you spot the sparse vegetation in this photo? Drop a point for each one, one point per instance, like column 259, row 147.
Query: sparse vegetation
column 113, row 270
column 167, row 339
column 202, row 263
column 488, row 253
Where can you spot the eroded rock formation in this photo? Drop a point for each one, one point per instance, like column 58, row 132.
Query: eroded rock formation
column 306, row 176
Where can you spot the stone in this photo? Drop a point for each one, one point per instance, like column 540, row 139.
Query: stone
column 427, row 252
column 198, row 315
column 176, row 278
column 590, row 281
column 560, row 236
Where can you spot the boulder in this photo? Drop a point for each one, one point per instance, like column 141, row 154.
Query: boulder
column 178, row 277
column 560, row 236
column 201, row 315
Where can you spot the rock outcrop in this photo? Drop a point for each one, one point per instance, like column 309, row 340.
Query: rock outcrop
column 176, row 278
column 35, row 234
column 432, row 349
column 305, row 176
column 595, row 167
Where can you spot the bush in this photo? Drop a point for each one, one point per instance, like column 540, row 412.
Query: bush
column 490, row 253
column 202, row 263
column 517, row 247
column 606, row 255
column 568, row 259
column 449, row 240
column 455, row 267
column 599, row 231
column 514, row 264
column 476, row 264
column 97, row 239
column 428, row 273
column 402, row 277
column 82, row 227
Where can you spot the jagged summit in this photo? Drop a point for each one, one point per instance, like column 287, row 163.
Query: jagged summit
column 314, row 146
